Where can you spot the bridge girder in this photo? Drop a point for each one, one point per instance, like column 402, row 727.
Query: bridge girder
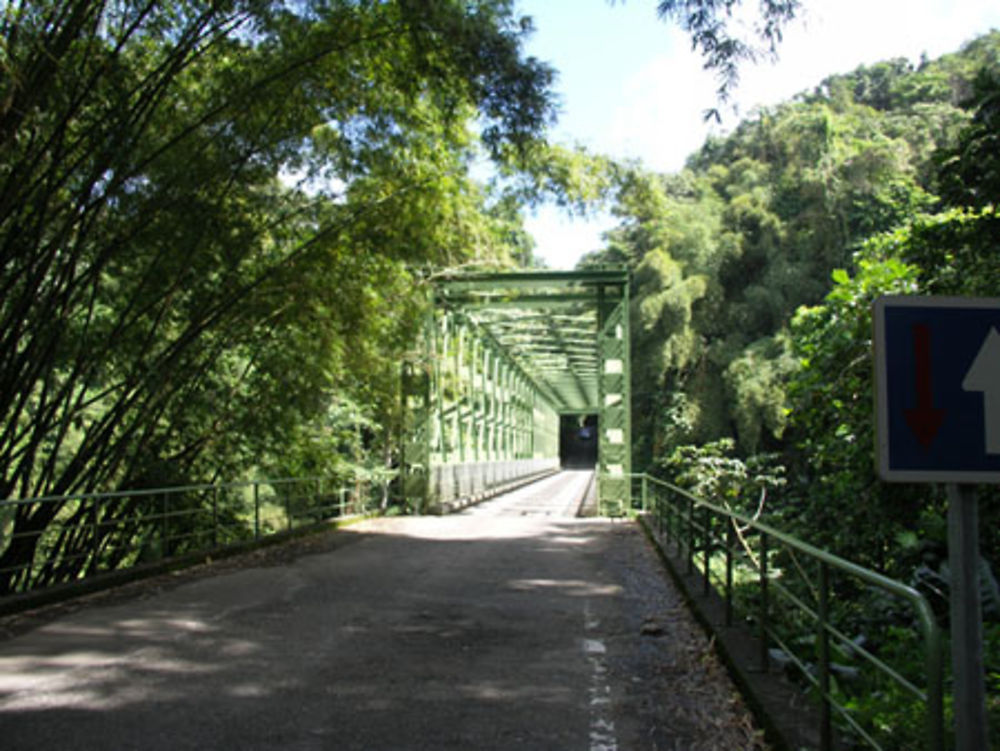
column 505, row 355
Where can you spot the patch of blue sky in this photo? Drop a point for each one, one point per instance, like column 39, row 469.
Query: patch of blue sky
column 630, row 86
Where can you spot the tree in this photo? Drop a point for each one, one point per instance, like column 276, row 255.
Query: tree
column 172, row 308
column 756, row 224
column 970, row 171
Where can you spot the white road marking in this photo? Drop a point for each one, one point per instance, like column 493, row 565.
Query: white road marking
column 602, row 726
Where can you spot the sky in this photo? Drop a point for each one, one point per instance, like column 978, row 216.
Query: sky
column 629, row 85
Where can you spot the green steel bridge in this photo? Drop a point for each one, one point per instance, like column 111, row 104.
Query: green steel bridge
column 507, row 356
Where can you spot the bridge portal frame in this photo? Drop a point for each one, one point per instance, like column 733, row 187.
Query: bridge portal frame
column 504, row 355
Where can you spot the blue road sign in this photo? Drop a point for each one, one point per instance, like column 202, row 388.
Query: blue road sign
column 937, row 369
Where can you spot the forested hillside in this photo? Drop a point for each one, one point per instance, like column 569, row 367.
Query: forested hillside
column 755, row 265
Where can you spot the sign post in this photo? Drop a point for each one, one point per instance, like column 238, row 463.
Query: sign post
column 966, row 619
column 937, row 369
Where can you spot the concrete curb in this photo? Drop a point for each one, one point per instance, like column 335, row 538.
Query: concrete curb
column 19, row 603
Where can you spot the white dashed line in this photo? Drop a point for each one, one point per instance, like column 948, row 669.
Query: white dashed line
column 602, row 727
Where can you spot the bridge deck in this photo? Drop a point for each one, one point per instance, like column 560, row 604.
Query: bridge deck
column 510, row 625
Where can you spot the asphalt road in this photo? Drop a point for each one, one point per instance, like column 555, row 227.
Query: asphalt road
column 511, row 625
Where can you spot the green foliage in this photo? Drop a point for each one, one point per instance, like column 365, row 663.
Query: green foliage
column 215, row 222
column 756, row 382
column 725, row 252
column 970, row 171
column 835, row 494
column 712, row 471
column 884, row 708
column 831, row 400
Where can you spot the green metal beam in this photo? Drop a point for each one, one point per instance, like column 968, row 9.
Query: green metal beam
column 520, row 280
column 581, row 301
column 510, row 351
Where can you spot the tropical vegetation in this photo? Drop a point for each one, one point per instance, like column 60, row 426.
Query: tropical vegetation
column 755, row 269
column 218, row 221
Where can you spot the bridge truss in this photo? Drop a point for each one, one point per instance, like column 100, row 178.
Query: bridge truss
column 507, row 354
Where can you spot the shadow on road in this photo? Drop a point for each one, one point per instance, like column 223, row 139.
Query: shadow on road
column 409, row 633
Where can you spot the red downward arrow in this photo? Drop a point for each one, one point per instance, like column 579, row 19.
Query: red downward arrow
column 924, row 421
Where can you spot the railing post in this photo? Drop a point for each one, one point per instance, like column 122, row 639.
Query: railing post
column 730, row 542
column 690, row 537
column 706, row 531
column 666, row 500
column 675, row 523
column 825, row 731
column 935, row 684
column 165, row 528
column 95, row 534
column 256, row 510
column 645, row 493
column 215, row 516
column 343, row 501
column 661, row 521
column 764, row 656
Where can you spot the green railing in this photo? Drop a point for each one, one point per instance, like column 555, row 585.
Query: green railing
column 93, row 533
column 763, row 576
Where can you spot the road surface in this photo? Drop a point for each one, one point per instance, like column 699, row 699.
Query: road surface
column 512, row 625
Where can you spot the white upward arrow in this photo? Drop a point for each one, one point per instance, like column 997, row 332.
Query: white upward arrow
column 984, row 376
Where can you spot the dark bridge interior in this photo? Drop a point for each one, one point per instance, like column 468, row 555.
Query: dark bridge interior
column 578, row 441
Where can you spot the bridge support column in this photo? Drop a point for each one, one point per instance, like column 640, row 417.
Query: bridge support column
column 614, row 394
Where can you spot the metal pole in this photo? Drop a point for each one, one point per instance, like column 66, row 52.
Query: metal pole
column 675, row 524
column 825, row 728
column 215, row 516
column 935, row 687
column 730, row 541
column 966, row 619
column 256, row 510
column 95, row 534
column 765, row 662
column 165, row 531
column 660, row 512
column 706, row 527
column 690, row 537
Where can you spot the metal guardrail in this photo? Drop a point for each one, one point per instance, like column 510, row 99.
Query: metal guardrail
column 94, row 533
column 724, row 545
